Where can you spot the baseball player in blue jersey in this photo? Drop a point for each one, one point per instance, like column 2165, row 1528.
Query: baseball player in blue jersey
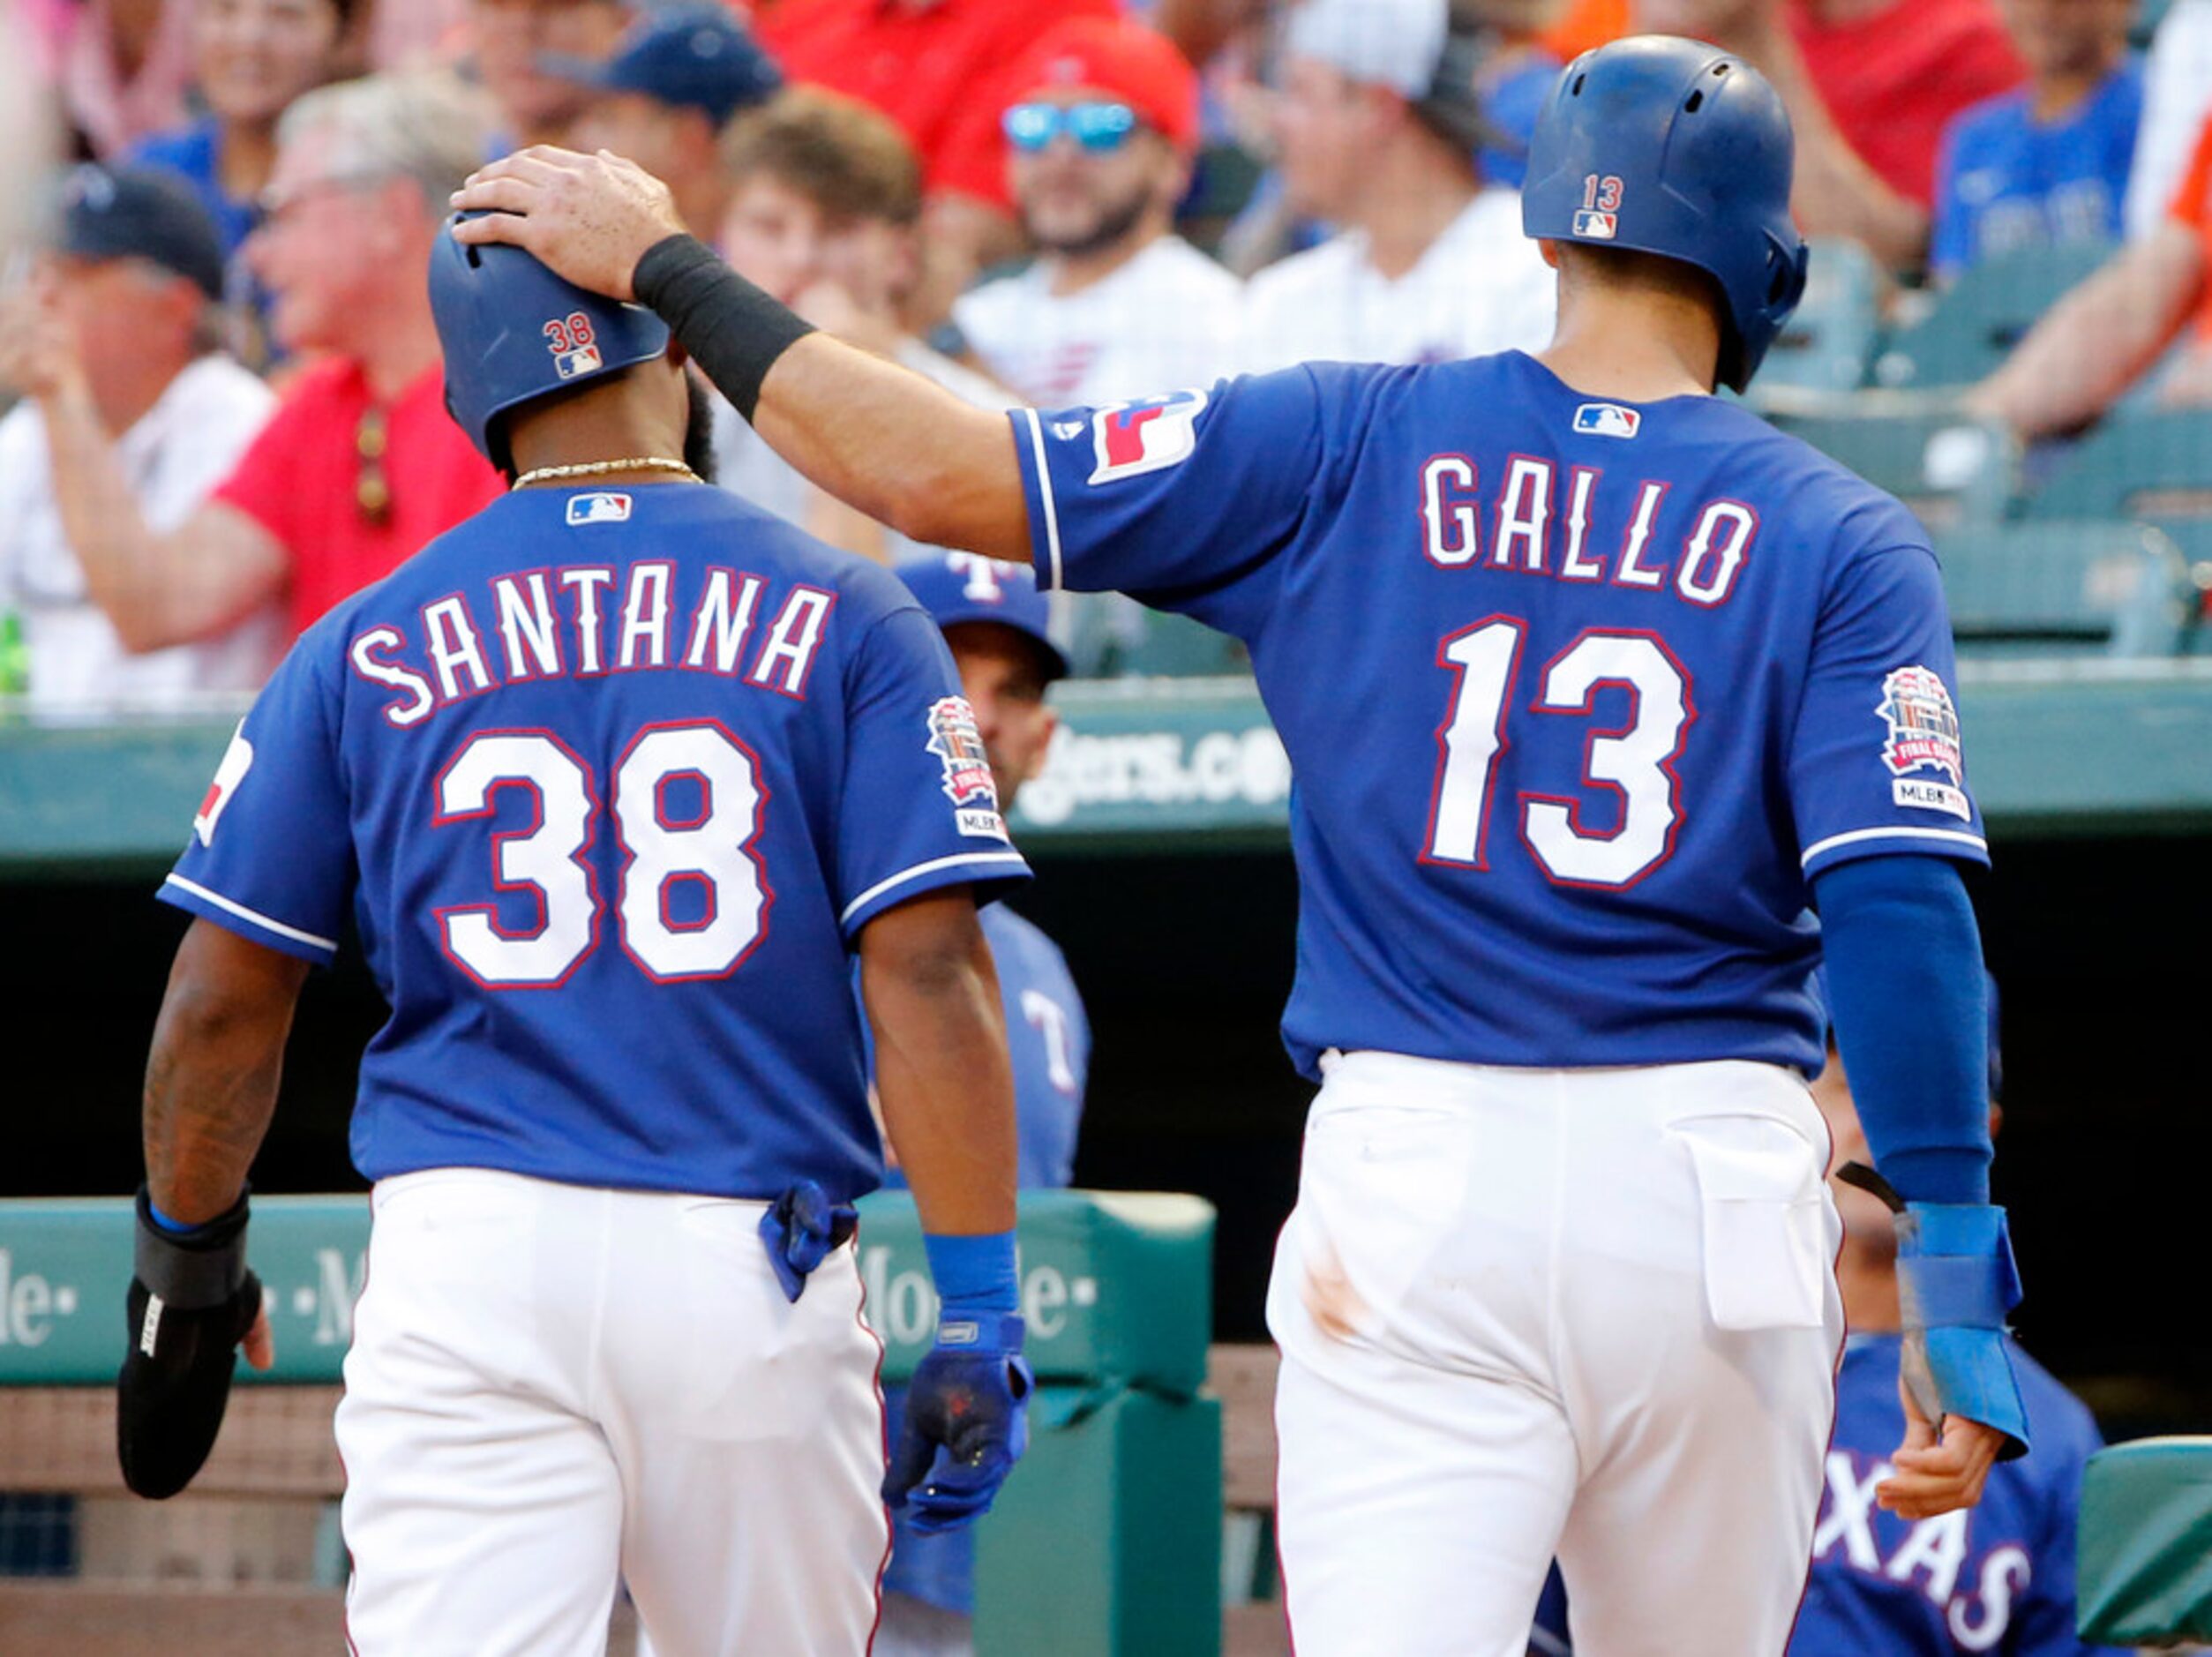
column 1595, row 687
column 996, row 623
column 612, row 781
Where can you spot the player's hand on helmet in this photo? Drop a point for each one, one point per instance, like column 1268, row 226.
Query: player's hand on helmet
column 967, row 1423
column 590, row 218
column 191, row 1302
column 1938, row 1470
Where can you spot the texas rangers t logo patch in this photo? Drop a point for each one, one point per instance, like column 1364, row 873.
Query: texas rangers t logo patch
column 968, row 784
column 1131, row 438
column 237, row 758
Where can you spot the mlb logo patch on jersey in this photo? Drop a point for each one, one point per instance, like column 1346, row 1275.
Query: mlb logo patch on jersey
column 1593, row 226
column 968, row 784
column 1132, row 438
column 598, row 508
column 1607, row 420
column 236, row 761
column 1922, row 726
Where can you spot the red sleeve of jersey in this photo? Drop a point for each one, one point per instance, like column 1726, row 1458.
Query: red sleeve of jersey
column 2191, row 204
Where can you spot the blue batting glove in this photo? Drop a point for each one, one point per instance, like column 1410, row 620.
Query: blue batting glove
column 967, row 1423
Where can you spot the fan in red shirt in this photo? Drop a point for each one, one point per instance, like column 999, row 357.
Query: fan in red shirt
column 939, row 69
column 1870, row 84
column 360, row 464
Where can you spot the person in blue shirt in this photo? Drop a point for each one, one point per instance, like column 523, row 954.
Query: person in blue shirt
column 2046, row 164
column 611, row 782
column 996, row 623
column 1594, row 686
column 251, row 59
column 1997, row 1578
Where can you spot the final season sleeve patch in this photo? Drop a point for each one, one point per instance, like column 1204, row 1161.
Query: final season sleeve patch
column 1921, row 744
column 967, row 781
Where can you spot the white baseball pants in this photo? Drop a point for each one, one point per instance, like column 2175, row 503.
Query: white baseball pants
column 552, row 1385
column 1527, row 1313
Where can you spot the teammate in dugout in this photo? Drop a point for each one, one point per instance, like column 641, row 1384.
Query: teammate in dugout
column 612, row 780
column 1595, row 685
column 1997, row 1577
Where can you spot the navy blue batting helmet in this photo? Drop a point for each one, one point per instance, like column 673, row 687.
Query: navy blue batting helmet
column 513, row 330
column 1677, row 148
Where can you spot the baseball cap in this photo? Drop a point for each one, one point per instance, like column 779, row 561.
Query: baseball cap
column 139, row 213
column 697, row 57
column 1123, row 57
column 1418, row 48
column 960, row 587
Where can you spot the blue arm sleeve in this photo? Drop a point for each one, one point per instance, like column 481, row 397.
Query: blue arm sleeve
column 1910, row 998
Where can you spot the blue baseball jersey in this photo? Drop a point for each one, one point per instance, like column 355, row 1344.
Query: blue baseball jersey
column 2005, row 181
column 609, row 783
column 1048, row 1038
column 1994, row 1578
column 1579, row 695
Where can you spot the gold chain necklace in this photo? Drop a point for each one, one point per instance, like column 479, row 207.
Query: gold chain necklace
column 600, row 468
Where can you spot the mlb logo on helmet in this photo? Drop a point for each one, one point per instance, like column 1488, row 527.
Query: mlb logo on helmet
column 600, row 508
column 1607, row 420
column 1594, row 225
column 575, row 345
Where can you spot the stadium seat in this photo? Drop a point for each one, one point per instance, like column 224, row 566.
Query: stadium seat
column 1948, row 468
column 1982, row 316
column 2050, row 588
column 1828, row 342
column 2155, row 465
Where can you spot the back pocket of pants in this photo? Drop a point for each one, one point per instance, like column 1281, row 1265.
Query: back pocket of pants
column 1767, row 1247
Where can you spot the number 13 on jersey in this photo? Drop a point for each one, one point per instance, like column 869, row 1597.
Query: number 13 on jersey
column 1635, row 762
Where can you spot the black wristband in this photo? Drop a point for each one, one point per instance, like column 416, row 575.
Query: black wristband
column 733, row 330
column 195, row 1269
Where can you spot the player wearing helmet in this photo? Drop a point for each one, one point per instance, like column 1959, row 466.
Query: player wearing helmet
column 612, row 780
column 1595, row 686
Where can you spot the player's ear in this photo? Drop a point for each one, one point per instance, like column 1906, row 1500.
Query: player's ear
column 676, row 355
column 1996, row 1118
column 1549, row 249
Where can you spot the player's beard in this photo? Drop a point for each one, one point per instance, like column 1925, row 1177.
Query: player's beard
column 698, row 427
column 1116, row 220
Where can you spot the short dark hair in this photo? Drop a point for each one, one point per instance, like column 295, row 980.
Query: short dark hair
column 839, row 153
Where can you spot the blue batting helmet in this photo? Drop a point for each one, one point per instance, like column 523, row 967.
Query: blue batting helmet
column 1677, row 148
column 513, row 332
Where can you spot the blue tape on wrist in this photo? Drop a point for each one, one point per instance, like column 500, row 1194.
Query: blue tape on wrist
column 975, row 1276
column 1956, row 1280
column 164, row 1221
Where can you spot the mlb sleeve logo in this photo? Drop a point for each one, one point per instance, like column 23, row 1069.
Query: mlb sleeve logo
column 1132, row 438
column 236, row 761
column 1922, row 736
column 968, row 784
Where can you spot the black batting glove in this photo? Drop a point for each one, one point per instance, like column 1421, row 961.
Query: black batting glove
column 191, row 1302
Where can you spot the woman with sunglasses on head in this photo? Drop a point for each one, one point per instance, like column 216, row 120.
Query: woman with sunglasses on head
column 1099, row 139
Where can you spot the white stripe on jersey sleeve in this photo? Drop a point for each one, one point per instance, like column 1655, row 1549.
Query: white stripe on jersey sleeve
column 1044, row 494
column 1953, row 837
column 920, row 869
column 252, row 917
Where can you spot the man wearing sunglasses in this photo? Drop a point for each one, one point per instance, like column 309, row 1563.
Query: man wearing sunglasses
column 1099, row 150
column 361, row 464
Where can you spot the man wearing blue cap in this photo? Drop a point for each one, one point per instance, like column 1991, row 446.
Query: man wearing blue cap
column 673, row 84
column 996, row 622
column 112, row 347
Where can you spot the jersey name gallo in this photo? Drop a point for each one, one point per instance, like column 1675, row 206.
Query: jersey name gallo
column 1532, row 521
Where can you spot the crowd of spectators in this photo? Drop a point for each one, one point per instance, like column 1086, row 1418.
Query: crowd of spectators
column 227, row 409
